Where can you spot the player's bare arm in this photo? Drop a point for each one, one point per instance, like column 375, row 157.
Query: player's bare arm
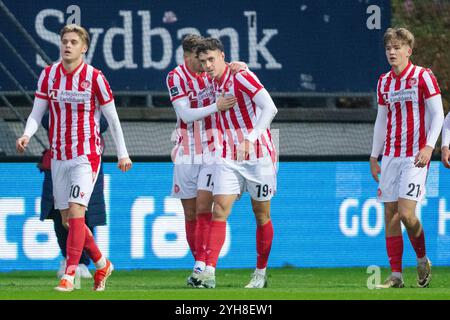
column 375, row 169
column 445, row 156
column 124, row 164
column 22, row 143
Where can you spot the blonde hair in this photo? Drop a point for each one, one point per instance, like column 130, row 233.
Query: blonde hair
column 401, row 34
column 80, row 31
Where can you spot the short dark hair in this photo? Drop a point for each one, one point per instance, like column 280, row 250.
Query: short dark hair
column 190, row 42
column 209, row 44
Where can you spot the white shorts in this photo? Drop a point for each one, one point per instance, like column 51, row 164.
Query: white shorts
column 401, row 179
column 258, row 177
column 74, row 180
column 189, row 178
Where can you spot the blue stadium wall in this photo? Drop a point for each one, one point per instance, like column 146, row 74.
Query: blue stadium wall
column 325, row 215
column 293, row 46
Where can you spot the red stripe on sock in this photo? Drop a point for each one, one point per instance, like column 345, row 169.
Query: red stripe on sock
column 90, row 246
column 394, row 246
column 216, row 239
column 264, row 237
column 202, row 234
column 75, row 243
column 419, row 245
column 190, row 227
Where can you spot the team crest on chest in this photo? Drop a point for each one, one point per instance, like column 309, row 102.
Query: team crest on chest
column 411, row 82
column 85, row 84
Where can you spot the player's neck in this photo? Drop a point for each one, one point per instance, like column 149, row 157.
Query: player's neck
column 400, row 68
column 70, row 66
column 220, row 75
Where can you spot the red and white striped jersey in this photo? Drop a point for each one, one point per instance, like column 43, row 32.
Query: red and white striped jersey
column 74, row 101
column 197, row 136
column 407, row 121
column 239, row 121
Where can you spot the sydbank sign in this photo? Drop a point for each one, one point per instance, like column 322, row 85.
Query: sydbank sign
column 293, row 46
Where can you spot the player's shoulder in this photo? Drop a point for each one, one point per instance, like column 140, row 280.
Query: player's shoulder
column 47, row 69
column 174, row 73
column 95, row 71
column 424, row 70
column 245, row 74
column 385, row 75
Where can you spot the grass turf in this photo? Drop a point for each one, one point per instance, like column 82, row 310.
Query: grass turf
column 284, row 284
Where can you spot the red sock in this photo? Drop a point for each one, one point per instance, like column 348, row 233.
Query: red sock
column 264, row 237
column 394, row 246
column 90, row 246
column 75, row 243
column 190, row 227
column 202, row 234
column 216, row 239
column 419, row 245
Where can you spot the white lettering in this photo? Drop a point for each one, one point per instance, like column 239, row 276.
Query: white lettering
column 172, row 222
column 9, row 207
column 443, row 217
column 75, row 18
column 372, row 231
column 352, row 230
column 147, row 34
column 374, row 20
column 142, row 207
column 375, row 277
column 127, row 33
column 33, row 227
column 254, row 46
column 44, row 34
column 95, row 34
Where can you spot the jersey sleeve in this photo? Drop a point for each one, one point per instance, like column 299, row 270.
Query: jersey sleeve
column 176, row 86
column 381, row 100
column 248, row 82
column 429, row 84
column 101, row 88
column 42, row 86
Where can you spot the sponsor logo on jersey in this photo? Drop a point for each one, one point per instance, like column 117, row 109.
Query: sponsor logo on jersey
column 403, row 95
column 68, row 96
column 53, row 94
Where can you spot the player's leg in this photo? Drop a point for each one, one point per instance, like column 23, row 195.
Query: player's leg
column 204, row 213
column 388, row 191
column 394, row 245
column 228, row 185
column 185, row 188
column 417, row 237
column 411, row 192
column 217, row 234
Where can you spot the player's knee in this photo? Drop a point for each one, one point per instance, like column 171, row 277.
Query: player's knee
column 262, row 217
column 219, row 211
column 409, row 220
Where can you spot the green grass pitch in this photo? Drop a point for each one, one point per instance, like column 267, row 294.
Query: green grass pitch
column 284, row 284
